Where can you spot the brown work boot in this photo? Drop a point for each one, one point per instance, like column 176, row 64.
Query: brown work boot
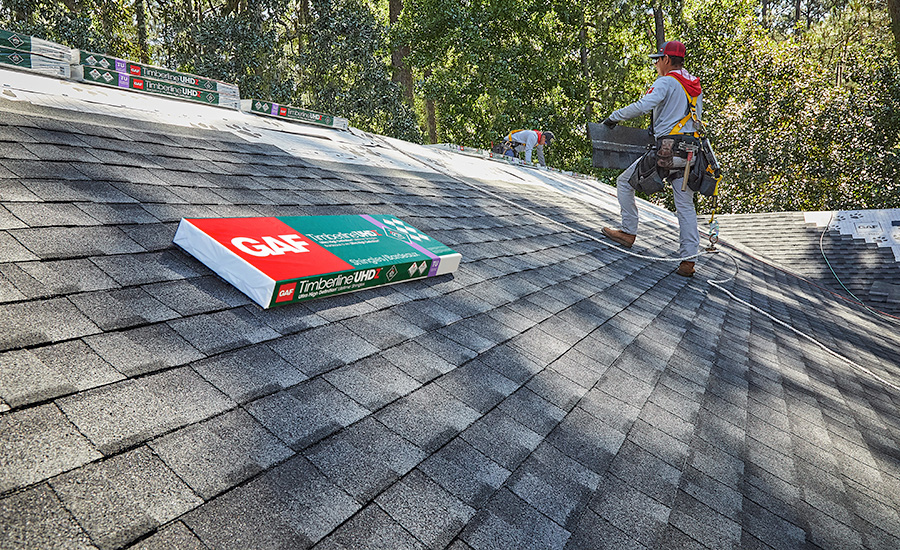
column 621, row 237
column 686, row 269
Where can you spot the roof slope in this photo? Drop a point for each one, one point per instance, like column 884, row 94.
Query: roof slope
column 554, row 393
column 788, row 239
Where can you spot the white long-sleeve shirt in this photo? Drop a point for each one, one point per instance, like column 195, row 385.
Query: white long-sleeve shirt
column 529, row 138
column 667, row 100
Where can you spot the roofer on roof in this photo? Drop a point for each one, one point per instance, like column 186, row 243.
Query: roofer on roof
column 669, row 99
column 527, row 140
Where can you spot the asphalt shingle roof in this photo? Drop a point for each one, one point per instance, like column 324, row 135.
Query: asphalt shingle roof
column 553, row 393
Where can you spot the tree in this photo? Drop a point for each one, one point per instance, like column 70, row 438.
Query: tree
column 894, row 11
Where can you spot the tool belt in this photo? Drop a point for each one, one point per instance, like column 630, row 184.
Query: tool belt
column 674, row 145
column 664, row 162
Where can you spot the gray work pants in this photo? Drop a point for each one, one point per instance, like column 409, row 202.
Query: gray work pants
column 689, row 235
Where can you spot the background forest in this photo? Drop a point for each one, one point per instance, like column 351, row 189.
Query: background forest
column 802, row 97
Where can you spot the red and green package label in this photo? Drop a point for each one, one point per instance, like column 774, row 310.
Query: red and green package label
column 280, row 260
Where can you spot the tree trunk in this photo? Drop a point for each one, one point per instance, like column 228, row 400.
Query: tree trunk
column 796, row 11
column 765, row 14
column 141, row 17
column 894, row 10
column 430, row 118
column 659, row 24
column 402, row 74
column 586, row 73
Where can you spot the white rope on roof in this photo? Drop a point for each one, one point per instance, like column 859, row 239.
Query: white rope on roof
column 714, row 283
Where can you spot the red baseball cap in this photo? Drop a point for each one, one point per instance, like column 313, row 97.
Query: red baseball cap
column 674, row 47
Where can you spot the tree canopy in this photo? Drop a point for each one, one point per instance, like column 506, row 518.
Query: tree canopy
column 801, row 98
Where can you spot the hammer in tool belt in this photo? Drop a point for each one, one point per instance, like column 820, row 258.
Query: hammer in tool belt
column 691, row 149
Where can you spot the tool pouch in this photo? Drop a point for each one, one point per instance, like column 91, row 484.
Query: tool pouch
column 648, row 177
column 705, row 175
column 665, row 150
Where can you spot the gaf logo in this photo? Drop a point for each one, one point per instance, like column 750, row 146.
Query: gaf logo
column 286, row 292
column 138, row 83
column 271, row 246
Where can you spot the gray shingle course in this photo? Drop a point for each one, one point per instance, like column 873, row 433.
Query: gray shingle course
column 322, row 349
column 117, row 214
column 554, row 484
column 477, row 385
column 143, row 350
column 8, row 220
column 704, row 524
column 151, row 267
column 127, row 413
column 39, row 279
column 249, row 373
column 18, row 151
column 41, row 322
column 428, row 417
column 365, row 459
column 124, row 497
column 659, row 443
column 383, row 329
column 30, row 376
column 539, row 345
column 118, row 309
column 511, row 363
column 153, row 237
column 306, row 413
column 291, row 506
column 12, row 189
column 556, row 388
column 509, row 522
column 372, row 382
column 219, row 453
column 174, row 536
column 502, row 439
column 212, row 333
column 465, row 472
column 70, row 242
column 187, row 296
column 38, row 443
column 425, row 509
column 478, row 333
column 595, row 532
column 35, row 518
column 371, row 529
column 630, row 510
column 446, row 349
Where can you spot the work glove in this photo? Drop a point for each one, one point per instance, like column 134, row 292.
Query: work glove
column 610, row 123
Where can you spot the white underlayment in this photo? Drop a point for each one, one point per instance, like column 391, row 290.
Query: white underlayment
column 307, row 141
column 881, row 227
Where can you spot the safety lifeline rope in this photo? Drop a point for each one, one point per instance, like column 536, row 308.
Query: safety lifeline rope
column 717, row 284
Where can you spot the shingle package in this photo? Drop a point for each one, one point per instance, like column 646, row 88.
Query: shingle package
column 111, row 71
column 27, row 52
column 281, row 260
column 268, row 108
column 110, row 77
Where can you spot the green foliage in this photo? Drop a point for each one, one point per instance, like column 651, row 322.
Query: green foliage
column 803, row 109
column 343, row 69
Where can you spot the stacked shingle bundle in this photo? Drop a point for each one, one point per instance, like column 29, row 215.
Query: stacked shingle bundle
column 109, row 71
column 33, row 54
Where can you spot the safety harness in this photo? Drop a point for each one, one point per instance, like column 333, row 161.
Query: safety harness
column 712, row 168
